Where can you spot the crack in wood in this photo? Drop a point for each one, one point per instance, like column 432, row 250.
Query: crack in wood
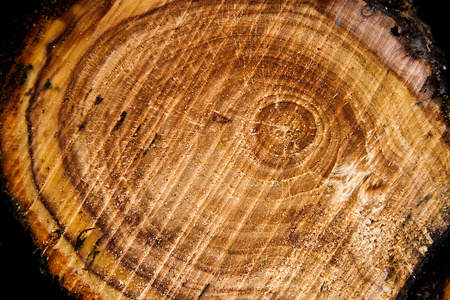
column 203, row 292
column 120, row 121
column 221, row 119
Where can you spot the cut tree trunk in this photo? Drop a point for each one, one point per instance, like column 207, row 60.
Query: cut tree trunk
column 230, row 149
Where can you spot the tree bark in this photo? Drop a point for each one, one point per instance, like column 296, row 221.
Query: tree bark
column 230, row 149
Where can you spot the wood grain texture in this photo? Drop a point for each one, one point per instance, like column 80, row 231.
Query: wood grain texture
column 228, row 150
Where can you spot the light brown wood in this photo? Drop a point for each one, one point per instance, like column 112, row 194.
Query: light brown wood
column 446, row 295
column 228, row 150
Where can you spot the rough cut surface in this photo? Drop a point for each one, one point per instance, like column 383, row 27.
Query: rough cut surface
column 228, row 150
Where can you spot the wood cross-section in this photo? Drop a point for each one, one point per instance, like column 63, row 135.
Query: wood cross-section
column 228, row 150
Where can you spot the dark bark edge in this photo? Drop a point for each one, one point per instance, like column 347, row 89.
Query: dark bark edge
column 420, row 43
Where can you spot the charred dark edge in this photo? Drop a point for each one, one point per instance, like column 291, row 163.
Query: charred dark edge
column 13, row 71
column 429, row 278
column 420, row 42
column 12, row 76
column 11, row 52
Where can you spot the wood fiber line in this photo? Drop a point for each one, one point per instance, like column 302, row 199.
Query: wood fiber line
column 113, row 128
column 231, row 150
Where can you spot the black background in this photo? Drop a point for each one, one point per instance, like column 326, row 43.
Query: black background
column 21, row 265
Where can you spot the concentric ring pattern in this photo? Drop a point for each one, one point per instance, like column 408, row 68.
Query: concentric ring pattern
column 207, row 149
